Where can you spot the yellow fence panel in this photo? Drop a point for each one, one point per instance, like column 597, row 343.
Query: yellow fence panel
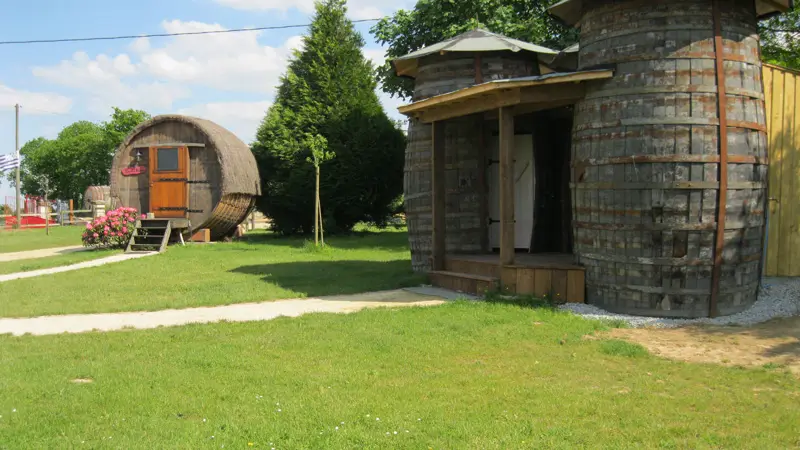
column 782, row 94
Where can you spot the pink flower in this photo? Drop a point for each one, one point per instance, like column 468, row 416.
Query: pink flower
column 88, row 226
column 105, row 233
column 106, row 229
column 144, row 216
column 124, row 230
column 96, row 235
column 130, row 219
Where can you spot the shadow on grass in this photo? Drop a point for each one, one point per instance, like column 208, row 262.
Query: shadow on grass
column 383, row 240
column 318, row 278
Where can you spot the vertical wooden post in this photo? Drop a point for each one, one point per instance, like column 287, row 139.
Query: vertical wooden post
column 71, row 212
column 722, row 96
column 506, row 187
column 438, row 195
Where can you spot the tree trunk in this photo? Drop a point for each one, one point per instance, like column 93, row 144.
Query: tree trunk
column 316, row 211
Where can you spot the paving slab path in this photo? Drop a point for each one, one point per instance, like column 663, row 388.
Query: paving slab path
column 41, row 253
column 71, row 267
column 244, row 312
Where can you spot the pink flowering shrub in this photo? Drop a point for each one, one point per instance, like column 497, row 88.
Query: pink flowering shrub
column 113, row 230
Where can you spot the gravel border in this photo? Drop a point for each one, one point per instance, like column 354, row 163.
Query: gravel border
column 779, row 297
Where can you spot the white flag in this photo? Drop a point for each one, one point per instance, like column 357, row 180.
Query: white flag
column 8, row 162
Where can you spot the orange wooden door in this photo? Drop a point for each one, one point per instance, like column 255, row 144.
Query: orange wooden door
column 169, row 173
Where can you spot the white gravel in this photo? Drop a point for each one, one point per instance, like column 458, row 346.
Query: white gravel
column 779, row 297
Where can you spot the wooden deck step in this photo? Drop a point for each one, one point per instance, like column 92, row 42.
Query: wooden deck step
column 464, row 282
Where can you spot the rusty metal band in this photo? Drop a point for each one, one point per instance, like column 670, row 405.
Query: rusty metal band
column 671, row 121
column 608, row 35
column 716, row 274
column 640, row 159
column 686, row 55
column 722, row 185
column 675, row 89
column 707, row 226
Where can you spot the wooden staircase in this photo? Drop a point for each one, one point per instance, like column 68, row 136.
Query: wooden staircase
column 150, row 235
column 467, row 277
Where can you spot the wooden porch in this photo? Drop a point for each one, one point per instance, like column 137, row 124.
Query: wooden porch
column 542, row 274
column 554, row 275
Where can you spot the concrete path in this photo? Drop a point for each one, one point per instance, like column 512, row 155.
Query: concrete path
column 42, row 253
column 83, row 265
column 245, row 312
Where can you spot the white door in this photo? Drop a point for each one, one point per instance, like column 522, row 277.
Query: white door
column 523, row 191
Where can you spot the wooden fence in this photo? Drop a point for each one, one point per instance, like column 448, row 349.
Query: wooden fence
column 782, row 93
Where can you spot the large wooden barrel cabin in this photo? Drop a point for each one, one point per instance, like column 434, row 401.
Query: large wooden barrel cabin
column 630, row 174
column 191, row 171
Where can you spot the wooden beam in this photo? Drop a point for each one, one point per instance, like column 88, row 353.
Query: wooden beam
column 438, row 196
column 500, row 85
column 537, row 94
column 171, row 144
column 506, row 187
column 465, row 107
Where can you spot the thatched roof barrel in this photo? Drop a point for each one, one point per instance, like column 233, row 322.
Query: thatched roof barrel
column 222, row 178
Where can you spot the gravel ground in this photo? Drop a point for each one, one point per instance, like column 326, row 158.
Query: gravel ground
column 779, row 297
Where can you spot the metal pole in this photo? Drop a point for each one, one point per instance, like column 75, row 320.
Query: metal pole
column 19, row 196
column 46, row 208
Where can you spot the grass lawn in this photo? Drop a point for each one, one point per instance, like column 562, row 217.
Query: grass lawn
column 27, row 265
column 459, row 376
column 35, row 239
column 260, row 268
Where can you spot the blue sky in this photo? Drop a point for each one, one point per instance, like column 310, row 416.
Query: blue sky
column 228, row 78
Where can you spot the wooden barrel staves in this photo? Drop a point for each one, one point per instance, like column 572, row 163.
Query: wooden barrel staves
column 437, row 75
column 647, row 158
column 97, row 193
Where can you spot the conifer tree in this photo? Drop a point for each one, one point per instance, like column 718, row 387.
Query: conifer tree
column 328, row 90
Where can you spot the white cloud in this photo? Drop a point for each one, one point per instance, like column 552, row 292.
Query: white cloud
column 358, row 9
column 35, row 103
column 104, row 79
column 242, row 118
column 228, row 61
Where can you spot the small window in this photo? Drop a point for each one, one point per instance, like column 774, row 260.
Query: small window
column 167, row 160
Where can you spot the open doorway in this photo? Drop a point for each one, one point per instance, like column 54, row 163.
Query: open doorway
column 543, row 202
column 552, row 152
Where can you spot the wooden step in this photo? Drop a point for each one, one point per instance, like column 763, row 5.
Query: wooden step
column 463, row 282
column 473, row 267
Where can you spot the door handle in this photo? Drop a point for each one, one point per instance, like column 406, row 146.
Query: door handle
column 773, row 199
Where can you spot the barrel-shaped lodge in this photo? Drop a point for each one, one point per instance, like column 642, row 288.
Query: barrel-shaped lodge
column 191, row 171
column 628, row 171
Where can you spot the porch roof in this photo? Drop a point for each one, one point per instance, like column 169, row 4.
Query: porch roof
column 526, row 94
column 569, row 11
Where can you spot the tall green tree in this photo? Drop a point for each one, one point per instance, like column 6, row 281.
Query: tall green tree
column 432, row 21
column 79, row 157
column 328, row 90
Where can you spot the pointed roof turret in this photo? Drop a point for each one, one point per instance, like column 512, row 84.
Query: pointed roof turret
column 474, row 41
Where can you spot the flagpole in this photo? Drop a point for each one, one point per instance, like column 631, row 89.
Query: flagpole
column 19, row 163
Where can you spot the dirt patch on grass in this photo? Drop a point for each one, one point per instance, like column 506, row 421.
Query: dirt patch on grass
column 773, row 344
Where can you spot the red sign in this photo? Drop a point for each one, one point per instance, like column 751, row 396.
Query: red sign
column 138, row 170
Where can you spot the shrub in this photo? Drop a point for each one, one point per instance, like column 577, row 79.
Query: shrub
column 113, row 230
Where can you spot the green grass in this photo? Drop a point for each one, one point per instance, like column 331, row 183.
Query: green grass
column 22, row 240
column 616, row 347
column 261, row 268
column 461, row 376
column 27, row 265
